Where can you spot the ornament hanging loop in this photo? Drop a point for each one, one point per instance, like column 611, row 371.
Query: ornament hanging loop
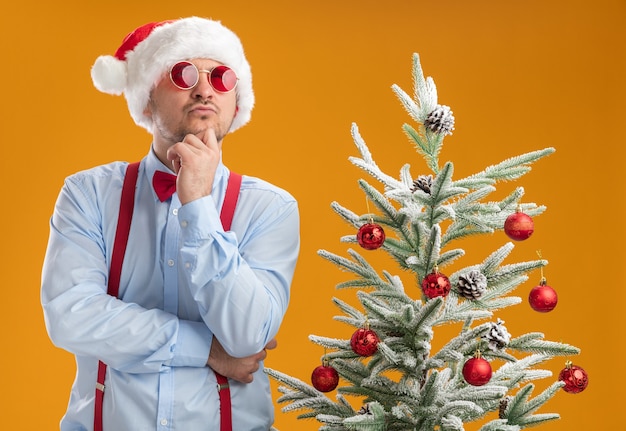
column 367, row 205
column 325, row 360
column 543, row 280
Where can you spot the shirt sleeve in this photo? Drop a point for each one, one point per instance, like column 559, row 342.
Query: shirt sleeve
column 82, row 318
column 241, row 279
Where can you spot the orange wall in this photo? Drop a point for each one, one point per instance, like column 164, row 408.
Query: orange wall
column 519, row 76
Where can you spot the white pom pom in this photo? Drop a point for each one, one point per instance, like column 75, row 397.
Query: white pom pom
column 109, row 75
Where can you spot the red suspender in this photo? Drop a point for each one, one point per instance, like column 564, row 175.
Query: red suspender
column 127, row 204
column 226, row 217
column 230, row 200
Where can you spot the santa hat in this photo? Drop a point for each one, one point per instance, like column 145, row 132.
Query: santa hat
column 148, row 52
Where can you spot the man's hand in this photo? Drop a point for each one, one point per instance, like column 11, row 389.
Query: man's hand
column 195, row 161
column 239, row 369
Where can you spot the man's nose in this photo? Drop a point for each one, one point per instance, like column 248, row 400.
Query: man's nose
column 203, row 89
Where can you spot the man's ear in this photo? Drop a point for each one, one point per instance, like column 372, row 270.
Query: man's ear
column 147, row 111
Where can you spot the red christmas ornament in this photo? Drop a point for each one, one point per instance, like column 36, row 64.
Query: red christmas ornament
column 370, row 236
column 477, row 371
column 324, row 377
column 542, row 298
column 519, row 226
column 575, row 378
column 435, row 284
column 364, row 342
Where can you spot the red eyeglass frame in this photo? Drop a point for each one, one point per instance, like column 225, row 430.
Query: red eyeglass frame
column 221, row 78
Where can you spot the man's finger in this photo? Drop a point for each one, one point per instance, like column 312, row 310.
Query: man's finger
column 194, row 141
column 209, row 139
column 272, row 344
column 175, row 159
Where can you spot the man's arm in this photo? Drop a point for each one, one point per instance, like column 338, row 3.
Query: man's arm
column 241, row 281
column 82, row 318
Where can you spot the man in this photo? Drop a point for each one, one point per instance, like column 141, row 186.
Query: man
column 194, row 299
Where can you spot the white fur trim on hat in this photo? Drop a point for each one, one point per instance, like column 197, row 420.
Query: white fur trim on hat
column 142, row 67
column 109, row 75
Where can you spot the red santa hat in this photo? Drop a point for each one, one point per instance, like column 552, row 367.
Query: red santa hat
column 148, row 52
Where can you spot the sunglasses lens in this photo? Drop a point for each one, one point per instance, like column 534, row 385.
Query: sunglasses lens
column 184, row 75
column 223, row 79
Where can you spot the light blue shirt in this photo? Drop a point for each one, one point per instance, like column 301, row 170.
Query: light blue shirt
column 184, row 280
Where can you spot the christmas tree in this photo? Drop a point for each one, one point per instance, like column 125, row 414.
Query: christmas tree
column 389, row 364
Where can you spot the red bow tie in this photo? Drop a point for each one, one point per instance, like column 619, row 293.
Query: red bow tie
column 164, row 185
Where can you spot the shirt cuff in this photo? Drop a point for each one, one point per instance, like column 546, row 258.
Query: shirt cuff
column 198, row 219
column 193, row 345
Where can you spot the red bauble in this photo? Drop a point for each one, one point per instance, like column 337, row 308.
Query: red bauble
column 477, row 371
column 519, row 226
column 542, row 298
column 370, row 236
column 575, row 378
column 325, row 378
column 435, row 284
column 364, row 342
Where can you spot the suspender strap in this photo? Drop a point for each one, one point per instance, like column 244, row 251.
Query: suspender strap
column 230, row 200
column 223, row 390
column 226, row 217
column 127, row 204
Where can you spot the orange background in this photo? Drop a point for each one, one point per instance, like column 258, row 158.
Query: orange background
column 519, row 76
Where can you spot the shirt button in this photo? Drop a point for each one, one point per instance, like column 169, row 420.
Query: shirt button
column 187, row 265
column 184, row 223
column 170, row 262
column 175, row 211
column 163, row 422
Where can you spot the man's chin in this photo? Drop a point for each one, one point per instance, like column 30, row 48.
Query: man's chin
column 199, row 128
column 200, row 132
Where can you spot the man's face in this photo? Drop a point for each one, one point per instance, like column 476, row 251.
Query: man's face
column 176, row 113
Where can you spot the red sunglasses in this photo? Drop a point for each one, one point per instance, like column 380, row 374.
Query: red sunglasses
column 185, row 75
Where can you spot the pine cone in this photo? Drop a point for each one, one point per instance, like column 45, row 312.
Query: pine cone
column 473, row 284
column 365, row 410
column 498, row 337
column 504, row 403
column 440, row 120
column 423, row 182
